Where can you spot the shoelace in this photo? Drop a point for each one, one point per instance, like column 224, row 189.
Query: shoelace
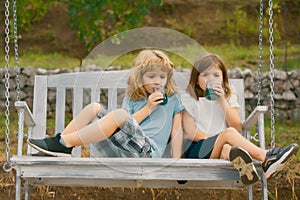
column 274, row 151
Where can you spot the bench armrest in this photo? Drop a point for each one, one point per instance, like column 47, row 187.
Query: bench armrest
column 28, row 118
column 253, row 117
column 256, row 117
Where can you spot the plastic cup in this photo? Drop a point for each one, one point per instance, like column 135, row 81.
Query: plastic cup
column 210, row 93
column 161, row 90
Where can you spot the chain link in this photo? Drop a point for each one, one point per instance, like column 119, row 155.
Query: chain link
column 260, row 48
column 7, row 165
column 17, row 66
column 271, row 39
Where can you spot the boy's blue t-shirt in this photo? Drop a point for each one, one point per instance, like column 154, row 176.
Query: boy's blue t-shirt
column 158, row 125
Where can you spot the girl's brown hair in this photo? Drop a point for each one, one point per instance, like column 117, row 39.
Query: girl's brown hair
column 201, row 63
column 148, row 60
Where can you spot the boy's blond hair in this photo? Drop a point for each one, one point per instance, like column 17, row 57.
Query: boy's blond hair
column 148, row 60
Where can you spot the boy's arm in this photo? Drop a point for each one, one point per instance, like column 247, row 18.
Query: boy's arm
column 151, row 105
column 177, row 136
column 140, row 115
column 189, row 128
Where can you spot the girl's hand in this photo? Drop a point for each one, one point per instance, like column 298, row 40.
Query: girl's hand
column 154, row 99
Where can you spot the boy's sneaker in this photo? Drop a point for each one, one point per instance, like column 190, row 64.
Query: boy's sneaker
column 242, row 161
column 50, row 146
column 277, row 158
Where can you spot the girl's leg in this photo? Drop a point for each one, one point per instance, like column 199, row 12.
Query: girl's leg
column 85, row 116
column 232, row 137
column 225, row 152
column 98, row 130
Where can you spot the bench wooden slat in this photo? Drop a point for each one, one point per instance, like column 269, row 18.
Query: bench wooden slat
column 103, row 79
column 112, row 99
column 95, row 95
column 40, row 107
column 138, row 183
column 98, row 170
column 60, row 109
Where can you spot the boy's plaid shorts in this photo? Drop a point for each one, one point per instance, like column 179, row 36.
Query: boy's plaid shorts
column 129, row 141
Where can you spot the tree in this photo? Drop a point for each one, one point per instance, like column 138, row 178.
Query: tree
column 95, row 20
column 30, row 11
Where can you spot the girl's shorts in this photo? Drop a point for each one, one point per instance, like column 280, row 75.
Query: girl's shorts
column 128, row 141
column 201, row 149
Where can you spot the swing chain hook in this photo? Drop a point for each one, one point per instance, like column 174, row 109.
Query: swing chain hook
column 7, row 165
column 255, row 137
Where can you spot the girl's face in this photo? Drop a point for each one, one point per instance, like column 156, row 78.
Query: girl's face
column 210, row 73
column 154, row 78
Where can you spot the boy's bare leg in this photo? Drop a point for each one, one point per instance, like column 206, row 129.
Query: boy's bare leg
column 98, row 130
column 232, row 137
column 85, row 116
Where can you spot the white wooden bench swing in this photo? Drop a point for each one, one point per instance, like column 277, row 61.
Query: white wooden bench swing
column 114, row 172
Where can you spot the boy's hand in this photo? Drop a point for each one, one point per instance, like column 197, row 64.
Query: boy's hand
column 154, row 99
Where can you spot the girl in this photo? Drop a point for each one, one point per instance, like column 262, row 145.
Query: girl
column 213, row 126
column 142, row 127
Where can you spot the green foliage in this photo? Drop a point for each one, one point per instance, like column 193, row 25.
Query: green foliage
column 30, row 11
column 236, row 25
column 97, row 20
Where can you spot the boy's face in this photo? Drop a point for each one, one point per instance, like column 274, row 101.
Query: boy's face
column 154, row 78
column 209, row 73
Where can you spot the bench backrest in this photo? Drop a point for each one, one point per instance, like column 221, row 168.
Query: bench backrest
column 87, row 86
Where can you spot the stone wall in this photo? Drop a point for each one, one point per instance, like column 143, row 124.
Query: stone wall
column 286, row 89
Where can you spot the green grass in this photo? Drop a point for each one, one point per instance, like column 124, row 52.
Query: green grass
column 247, row 57
column 234, row 56
column 45, row 61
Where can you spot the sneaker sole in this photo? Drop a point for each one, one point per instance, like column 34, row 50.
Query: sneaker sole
column 242, row 161
column 282, row 162
column 39, row 154
column 50, row 153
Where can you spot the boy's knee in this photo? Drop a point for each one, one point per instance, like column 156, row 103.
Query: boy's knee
column 120, row 116
column 95, row 107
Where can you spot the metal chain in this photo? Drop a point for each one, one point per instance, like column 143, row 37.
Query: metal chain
column 7, row 166
column 259, row 74
column 272, row 74
column 17, row 66
column 260, row 40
